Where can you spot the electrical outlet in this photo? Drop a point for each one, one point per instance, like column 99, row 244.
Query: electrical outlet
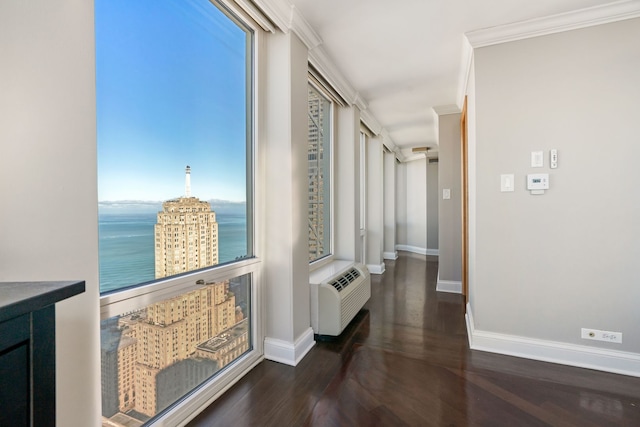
column 598, row 335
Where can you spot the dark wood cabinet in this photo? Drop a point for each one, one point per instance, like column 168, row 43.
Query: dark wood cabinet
column 28, row 350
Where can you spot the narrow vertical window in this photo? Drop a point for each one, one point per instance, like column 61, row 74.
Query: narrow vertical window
column 319, row 156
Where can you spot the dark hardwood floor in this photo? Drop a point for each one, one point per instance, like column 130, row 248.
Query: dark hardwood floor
column 405, row 361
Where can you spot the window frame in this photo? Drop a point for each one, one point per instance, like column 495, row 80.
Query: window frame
column 119, row 302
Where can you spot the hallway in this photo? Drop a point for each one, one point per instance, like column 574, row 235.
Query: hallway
column 406, row 361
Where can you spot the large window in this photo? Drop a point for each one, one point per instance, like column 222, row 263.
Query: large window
column 320, row 113
column 177, row 273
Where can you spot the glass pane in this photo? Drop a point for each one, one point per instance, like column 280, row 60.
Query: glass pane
column 154, row 356
column 319, row 175
column 172, row 82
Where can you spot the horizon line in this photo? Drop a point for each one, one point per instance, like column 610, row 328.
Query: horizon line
column 134, row 201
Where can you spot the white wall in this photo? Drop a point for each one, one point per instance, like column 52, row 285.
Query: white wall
column 401, row 205
column 48, row 180
column 450, row 210
column 432, row 207
column 286, row 268
column 549, row 265
column 389, row 206
column 411, row 190
column 346, row 187
column 375, row 209
column 471, row 182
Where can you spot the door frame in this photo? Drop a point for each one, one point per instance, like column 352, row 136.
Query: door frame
column 465, row 201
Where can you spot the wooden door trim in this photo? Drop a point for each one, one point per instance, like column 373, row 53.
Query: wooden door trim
column 465, row 201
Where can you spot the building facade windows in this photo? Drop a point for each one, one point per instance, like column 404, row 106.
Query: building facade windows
column 320, row 113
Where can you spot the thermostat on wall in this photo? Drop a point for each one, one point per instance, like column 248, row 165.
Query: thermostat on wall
column 537, row 182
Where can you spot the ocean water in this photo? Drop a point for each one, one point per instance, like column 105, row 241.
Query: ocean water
column 127, row 246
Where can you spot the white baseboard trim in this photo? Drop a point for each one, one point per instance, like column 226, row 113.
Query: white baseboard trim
column 390, row 255
column 287, row 352
column 617, row 362
column 376, row 269
column 418, row 250
column 450, row 286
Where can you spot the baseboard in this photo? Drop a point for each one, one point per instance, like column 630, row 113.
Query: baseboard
column 390, row 255
column 376, row 269
column 617, row 362
column 418, row 250
column 287, row 352
column 450, row 286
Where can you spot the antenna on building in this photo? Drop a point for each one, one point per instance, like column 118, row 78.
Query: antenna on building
column 187, row 182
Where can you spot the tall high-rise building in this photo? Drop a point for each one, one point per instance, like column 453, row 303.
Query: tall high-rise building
column 186, row 234
column 169, row 332
column 198, row 332
column 316, row 154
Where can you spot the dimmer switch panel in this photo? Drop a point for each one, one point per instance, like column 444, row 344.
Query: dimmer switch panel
column 553, row 158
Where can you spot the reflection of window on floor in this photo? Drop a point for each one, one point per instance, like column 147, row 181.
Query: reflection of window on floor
column 154, row 356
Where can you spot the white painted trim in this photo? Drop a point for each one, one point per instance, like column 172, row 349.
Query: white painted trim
column 418, row 250
column 302, row 28
column 465, row 71
column 618, row 362
column 376, row 269
column 413, row 157
column 450, row 286
column 319, row 59
column 468, row 317
column 413, row 249
column 582, row 18
column 443, row 110
column 390, row 255
column 279, row 11
column 368, row 119
column 286, row 352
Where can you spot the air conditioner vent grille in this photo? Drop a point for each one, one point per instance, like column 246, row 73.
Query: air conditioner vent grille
column 340, row 283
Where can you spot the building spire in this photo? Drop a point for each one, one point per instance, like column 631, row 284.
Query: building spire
column 187, row 182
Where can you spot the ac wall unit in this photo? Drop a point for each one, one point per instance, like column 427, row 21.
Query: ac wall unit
column 338, row 292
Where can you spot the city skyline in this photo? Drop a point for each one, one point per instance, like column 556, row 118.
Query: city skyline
column 158, row 112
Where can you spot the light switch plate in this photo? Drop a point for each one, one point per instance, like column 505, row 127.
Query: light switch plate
column 506, row 182
column 537, row 159
column 446, row 193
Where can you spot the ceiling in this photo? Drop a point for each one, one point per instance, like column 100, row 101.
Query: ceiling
column 403, row 58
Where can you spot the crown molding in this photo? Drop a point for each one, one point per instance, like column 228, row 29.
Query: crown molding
column 582, row 18
column 279, row 11
column 359, row 102
column 443, row 110
column 371, row 122
column 288, row 18
column 320, row 60
column 301, row 27
column 414, row 157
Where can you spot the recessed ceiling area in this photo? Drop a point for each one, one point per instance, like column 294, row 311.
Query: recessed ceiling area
column 404, row 58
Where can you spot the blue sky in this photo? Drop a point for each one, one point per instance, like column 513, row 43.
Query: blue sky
column 171, row 92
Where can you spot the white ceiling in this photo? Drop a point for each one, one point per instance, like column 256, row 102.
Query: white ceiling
column 404, row 57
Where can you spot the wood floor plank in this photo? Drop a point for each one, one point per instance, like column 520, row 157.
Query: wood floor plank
column 405, row 361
